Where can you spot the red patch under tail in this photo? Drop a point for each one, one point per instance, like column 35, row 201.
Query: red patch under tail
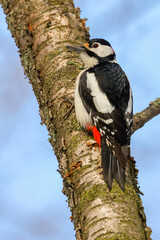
column 96, row 135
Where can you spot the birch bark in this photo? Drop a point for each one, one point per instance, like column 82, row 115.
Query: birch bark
column 42, row 29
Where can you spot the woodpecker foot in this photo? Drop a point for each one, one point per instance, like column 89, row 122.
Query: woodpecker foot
column 91, row 145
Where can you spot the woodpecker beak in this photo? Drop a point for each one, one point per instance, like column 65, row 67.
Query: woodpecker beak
column 86, row 45
column 78, row 49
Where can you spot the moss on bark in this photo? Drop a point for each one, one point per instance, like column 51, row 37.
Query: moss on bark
column 41, row 30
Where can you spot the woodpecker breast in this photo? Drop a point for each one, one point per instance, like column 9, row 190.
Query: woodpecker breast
column 82, row 115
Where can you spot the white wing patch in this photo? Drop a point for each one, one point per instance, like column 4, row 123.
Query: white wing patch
column 99, row 98
column 108, row 121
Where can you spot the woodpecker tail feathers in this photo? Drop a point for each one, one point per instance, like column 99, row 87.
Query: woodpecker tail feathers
column 111, row 167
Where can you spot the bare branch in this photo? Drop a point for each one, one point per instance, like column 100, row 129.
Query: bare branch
column 139, row 119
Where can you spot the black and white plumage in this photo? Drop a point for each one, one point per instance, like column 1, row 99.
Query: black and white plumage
column 103, row 101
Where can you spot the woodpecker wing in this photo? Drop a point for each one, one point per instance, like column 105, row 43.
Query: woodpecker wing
column 114, row 83
column 105, row 93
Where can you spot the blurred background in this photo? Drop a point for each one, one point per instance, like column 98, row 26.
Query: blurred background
column 32, row 206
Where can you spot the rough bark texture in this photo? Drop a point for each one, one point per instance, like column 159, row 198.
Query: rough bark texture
column 41, row 29
column 147, row 114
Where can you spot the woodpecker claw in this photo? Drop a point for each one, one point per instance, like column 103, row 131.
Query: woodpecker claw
column 91, row 145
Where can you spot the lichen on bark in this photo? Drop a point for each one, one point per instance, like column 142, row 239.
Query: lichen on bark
column 41, row 30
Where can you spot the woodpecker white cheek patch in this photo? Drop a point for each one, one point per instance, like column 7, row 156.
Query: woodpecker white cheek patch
column 82, row 116
column 103, row 51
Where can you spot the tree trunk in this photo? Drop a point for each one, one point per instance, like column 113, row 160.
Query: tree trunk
column 41, row 29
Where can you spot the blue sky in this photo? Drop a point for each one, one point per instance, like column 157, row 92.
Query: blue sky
column 31, row 204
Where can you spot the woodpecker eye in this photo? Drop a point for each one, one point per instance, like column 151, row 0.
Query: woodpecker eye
column 95, row 45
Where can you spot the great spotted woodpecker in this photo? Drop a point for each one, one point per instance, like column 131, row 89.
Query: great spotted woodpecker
column 104, row 104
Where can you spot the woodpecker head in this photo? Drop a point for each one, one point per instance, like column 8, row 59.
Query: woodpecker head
column 95, row 51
